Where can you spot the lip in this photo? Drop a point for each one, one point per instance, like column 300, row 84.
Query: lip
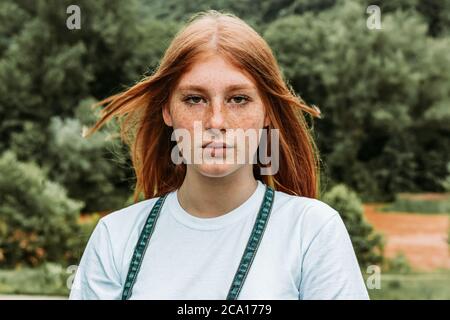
column 216, row 145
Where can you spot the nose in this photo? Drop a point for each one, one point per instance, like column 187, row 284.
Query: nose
column 215, row 116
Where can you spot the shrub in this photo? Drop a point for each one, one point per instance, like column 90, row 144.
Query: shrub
column 92, row 170
column 86, row 227
column 398, row 264
column 368, row 245
column 446, row 181
column 47, row 279
column 37, row 219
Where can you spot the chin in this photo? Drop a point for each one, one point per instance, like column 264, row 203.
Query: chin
column 216, row 170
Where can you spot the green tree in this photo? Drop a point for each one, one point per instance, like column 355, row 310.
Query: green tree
column 46, row 69
column 384, row 95
column 93, row 170
column 38, row 222
column 48, row 73
column 368, row 244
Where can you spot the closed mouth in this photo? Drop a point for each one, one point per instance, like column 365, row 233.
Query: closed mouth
column 216, row 145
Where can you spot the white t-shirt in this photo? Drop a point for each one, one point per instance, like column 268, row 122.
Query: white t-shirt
column 305, row 253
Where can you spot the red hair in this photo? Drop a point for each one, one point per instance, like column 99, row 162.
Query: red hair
column 149, row 138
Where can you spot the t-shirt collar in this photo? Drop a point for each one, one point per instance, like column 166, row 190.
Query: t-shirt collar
column 251, row 205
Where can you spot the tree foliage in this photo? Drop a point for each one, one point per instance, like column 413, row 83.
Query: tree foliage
column 384, row 94
column 368, row 244
column 38, row 222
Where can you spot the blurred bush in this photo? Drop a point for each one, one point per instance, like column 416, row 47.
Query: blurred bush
column 86, row 224
column 38, row 220
column 446, row 181
column 96, row 171
column 367, row 243
column 384, row 94
column 398, row 264
column 50, row 74
column 47, row 279
column 88, row 168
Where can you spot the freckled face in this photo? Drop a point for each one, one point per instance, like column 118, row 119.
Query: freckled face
column 219, row 97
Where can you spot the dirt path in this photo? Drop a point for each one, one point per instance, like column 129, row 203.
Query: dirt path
column 422, row 238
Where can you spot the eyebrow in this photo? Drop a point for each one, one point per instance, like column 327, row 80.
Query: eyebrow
column 229, row 88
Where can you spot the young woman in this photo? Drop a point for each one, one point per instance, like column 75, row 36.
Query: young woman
column 211, row 229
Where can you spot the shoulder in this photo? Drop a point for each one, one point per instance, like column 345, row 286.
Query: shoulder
column 128, row 217
column 312, row 214
column 305, row 220
column 116, row 234
column 121, row 228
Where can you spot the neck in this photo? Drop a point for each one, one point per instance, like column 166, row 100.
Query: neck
column 208, row 197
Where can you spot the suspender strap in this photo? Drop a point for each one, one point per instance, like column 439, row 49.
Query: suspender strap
column 252, row 245
column 140, row 248
column 244, row 265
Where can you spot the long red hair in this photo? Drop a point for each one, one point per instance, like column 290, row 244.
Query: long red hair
column 149, row 138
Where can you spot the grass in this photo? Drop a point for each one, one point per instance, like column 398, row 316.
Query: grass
column 399, row 281
column 414, row 286
column 420, row 203
column 49, row 279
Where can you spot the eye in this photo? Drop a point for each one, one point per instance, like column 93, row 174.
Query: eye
column 193, row 100
column 240, row 99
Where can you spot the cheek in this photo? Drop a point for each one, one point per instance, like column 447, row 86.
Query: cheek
column 183, row 118
column 250, row 118
column 253, row 120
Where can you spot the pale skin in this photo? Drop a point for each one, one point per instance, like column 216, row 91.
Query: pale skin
column 222, row 97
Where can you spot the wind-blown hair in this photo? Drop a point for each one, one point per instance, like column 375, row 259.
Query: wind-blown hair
column 149, row 138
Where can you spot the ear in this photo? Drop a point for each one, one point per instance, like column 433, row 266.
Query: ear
column 166, row 115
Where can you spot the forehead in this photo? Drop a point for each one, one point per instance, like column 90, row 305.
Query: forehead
column 215, row 71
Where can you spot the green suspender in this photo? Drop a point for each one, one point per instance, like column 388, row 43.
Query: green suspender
column 252, row 244
column 140, row 248
column 246, row 260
